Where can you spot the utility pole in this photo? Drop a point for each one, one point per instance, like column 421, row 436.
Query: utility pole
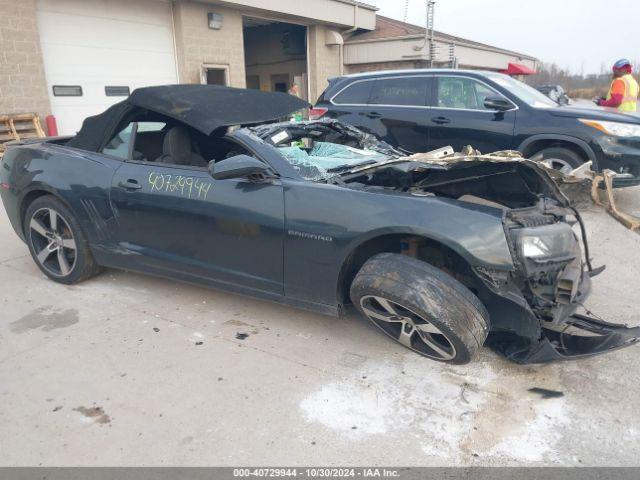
column 428, row 33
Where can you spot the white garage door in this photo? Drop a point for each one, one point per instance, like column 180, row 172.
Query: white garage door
column 97, row 45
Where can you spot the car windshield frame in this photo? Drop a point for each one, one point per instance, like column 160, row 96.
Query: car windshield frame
column 269, row 136
column 522, row 91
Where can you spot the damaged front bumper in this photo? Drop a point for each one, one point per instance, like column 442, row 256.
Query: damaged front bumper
column 533, row 310
column 578, row 336
column 575, row 336
column 566, row 336
column 532, row 339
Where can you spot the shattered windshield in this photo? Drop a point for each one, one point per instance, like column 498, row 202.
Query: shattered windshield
column 319, row 150
column 325, row 159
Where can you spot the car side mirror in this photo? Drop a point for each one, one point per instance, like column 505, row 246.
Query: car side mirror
column 239, row 166
column 498, row 103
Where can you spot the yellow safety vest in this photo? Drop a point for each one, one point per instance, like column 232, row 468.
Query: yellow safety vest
column 630, row 98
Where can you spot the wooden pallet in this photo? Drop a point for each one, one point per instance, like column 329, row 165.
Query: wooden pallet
column 19, row 127
column 7, row 131
column 27, row 125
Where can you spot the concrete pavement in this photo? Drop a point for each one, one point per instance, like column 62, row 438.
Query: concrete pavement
column 132, row 370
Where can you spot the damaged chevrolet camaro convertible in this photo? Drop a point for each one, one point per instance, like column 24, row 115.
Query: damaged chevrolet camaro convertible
column 442, row 251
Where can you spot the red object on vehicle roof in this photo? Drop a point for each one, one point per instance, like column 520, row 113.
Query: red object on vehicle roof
column 517, row 69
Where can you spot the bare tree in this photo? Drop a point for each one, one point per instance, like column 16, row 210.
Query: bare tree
column 576, row 85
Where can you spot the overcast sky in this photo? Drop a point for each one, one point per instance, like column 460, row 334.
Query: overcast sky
column 580, row 35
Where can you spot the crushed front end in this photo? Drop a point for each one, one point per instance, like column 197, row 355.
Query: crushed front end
column 552, row 277
column 532, row 306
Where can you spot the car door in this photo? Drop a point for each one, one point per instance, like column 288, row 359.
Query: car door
column 395, row 109
column 459, row 117
column 178, row 220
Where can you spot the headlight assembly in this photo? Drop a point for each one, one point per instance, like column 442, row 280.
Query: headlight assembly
column 549, row 242
column 616, row 129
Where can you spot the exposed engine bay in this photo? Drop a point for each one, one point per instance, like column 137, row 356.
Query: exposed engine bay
column 333, row 152
column 533, row 307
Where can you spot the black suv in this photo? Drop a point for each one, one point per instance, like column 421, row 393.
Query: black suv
column 421, row 110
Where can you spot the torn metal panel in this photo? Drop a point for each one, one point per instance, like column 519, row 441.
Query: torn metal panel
column 532, row 308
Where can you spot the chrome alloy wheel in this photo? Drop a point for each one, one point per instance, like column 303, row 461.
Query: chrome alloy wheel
column 562, row 166
column 408, row 328
column 53, row 242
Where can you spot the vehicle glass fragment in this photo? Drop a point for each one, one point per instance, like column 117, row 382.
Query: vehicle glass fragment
column 317, row 149
column 319, row 161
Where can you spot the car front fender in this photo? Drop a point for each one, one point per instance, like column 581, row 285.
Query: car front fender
column 326, row 224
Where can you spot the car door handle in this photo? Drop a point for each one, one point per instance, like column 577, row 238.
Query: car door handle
column 441, row 120
column 130, row 184
column 373, row 115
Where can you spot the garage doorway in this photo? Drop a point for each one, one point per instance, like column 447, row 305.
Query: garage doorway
column 103, row 50
column 215, row 75
column 275, row 55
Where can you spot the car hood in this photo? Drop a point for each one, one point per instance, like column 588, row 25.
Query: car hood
column 210, row 107
column 598, row 113
column 454, row 174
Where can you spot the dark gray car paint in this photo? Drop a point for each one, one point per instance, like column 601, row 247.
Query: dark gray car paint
column 245, row 226
column 284, row 239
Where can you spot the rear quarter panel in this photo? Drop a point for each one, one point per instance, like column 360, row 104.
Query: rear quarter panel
column 324, row 224
column 81, row 180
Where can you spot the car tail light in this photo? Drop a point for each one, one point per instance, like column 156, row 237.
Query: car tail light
column 317, row 112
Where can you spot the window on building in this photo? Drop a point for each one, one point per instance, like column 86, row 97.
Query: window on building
column 407, row 91
column 116, row 91
column 355, row 94
column 463, row 93
column 215, row 75
column 67, row 91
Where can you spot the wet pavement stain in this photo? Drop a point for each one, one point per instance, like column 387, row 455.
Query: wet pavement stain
column 47, row 318
column 96, row 413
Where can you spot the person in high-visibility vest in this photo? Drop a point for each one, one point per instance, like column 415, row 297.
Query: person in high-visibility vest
column 623, row 93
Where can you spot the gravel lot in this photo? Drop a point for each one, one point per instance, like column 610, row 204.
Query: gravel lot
column 131, row 370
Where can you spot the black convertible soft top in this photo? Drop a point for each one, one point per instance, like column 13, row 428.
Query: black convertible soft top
column 203, row 107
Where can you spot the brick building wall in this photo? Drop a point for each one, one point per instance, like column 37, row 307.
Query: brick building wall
column 23, row 88
column 323, row 61
column 196, row 43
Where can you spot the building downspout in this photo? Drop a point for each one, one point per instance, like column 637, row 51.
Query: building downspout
column 352, row 29
column 175, row 43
